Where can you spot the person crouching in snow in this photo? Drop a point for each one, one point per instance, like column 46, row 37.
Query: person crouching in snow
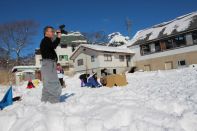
column 92, row 81
column 60, row 74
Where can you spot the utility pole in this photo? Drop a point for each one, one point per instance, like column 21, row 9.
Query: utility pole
column 128, row 24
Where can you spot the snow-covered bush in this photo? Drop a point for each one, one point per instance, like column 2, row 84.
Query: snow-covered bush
column 117, row 39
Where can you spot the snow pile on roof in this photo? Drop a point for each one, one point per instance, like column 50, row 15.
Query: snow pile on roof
column 152, row 101
column 166, row 28
column 28, row 71
column 106, row 48
column 77, row 33
column 117, row 39
column 25, row 67
column 79, row 41
column 73, row 38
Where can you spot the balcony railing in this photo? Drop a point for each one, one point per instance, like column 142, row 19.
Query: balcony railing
column 174, row 48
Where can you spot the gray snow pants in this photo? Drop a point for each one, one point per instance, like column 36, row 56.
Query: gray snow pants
column 51, row 85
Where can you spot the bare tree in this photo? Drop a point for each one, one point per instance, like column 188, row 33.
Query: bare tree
column 29, row 59
column 3, row 58
column 18, row 35
column 5, row 43
column 128, row 24
column 96, row 37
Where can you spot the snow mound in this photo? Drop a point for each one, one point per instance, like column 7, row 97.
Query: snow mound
column 117, row 39
column 152, row 101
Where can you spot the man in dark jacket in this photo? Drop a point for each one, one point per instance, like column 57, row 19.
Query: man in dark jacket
column 51, row 86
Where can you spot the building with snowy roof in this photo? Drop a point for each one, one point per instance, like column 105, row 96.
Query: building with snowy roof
column 168, row 45
column 96, row 58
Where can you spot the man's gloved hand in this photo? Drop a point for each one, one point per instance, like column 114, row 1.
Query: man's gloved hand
column 59, row 34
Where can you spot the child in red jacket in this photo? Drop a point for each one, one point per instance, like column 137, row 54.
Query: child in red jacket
column 30, row 85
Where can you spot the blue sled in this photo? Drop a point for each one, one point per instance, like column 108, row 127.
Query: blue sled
column 7, row 99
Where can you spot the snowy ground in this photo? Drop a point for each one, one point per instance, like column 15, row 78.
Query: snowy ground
column 153, row 101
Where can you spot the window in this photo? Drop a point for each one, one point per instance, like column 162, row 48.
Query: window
column 147, row 68
column 157, row 46
column 92, row 58
column 114, row 71
column 194, row 36
column 128, row 57
column 63, row 57
column 181, row 63
column 179, row 41
column 63, row 45
column 73, row 48
column 121, row 57
column 168, row 65
column 107, row 57
column 169, row 44
column 145, row 49
column 80, row 62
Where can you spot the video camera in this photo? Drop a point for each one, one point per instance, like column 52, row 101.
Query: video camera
column 62, row 30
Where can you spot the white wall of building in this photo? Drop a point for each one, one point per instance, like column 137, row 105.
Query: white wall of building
column 87, row 64
column 60, row 51
column 100, row 62
column 115, row 60
column 64, row 51
column 38, row 60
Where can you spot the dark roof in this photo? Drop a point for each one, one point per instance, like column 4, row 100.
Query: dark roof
column 166, row 29
column 73, row 38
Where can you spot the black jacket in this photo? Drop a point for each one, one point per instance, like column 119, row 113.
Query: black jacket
column 47, row 48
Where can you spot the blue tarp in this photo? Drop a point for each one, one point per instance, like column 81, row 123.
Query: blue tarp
column 7, row 99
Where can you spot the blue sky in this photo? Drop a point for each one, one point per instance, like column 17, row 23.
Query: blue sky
column 94, row 15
